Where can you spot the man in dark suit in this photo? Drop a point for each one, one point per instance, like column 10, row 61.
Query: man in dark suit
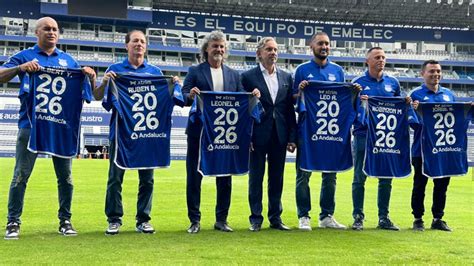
column 273, row 136
column 210, row 75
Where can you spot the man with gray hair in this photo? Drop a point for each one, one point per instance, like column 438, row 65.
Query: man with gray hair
column 210, row 75
column 275, row 134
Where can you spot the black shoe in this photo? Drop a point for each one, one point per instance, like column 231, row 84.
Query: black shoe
column 280, row 226
column 358, row 224
column 194, row 228
column 439, row 224
column 255, row 227
column 12, row 231
column 223, row 226
column 418, row 225
column 386, row 224
column 66, row 229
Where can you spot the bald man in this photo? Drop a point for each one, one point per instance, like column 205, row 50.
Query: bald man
column 44, row 53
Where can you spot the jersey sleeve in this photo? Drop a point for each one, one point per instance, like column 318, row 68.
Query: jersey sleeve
column 196, row 109
column 86, row 89
column 178, row 98
column 14, row 61
column 362, row 113
column 256, row 108
column 110, row 99
column 297, row 79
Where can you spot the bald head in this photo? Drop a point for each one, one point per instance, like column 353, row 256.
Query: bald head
column 47, row 31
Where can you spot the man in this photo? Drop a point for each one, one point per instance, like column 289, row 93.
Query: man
column 210, row 75
column 136, row 45
column 272, row 136
column 319, row 68
column 374, row 83
column 44, row 53
column 429, row 91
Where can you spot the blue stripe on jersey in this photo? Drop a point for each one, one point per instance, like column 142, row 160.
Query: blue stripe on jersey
column 56, row 104
column 326, row 113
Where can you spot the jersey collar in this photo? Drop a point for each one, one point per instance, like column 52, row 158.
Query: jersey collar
column 440, row 89
column 367, row 75
column 127, row 65
column 38, row 50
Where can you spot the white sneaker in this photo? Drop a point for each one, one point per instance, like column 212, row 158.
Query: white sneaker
column 305, row 223
column 330, row 222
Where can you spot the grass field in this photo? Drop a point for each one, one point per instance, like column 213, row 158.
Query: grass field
column 40, row 243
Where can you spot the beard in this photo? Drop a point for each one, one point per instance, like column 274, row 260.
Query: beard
column 218, row 57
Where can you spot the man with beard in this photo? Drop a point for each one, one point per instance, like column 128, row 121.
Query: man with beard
column 319, row 68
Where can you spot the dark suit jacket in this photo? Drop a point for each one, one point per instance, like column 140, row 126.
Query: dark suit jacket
column 200, row 76
column 281, row 113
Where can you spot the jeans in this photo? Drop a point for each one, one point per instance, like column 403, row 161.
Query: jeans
column 303, row 196
column 24, row 163
column 358, row 190
column 113, row 199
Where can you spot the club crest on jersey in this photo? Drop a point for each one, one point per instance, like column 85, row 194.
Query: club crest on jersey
column 210, row 147
column 62, row 62
column 446, row 98
column 134, row 136
column 388, row 88
column 331, row 77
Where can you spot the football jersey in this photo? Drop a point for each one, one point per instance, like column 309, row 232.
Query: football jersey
column 143, row 104
column 387, row 150
column 56, row 97
column 57, row 58
column 326, row 113
column 227, row 119
column 387, row 86
column 444, row 138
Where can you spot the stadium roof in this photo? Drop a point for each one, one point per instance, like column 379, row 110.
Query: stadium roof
column 431, row 13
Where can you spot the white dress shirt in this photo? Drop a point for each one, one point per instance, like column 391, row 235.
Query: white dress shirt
column 271, row 80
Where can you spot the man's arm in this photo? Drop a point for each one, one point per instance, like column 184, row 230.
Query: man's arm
column 7, row 73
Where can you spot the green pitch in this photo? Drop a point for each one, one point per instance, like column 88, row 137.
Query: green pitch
column 40, row 243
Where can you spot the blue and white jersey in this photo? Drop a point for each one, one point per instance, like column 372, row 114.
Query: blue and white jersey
column 444, row 138
column 312, row 71
column 387, row 150
column 143, row 104
column 56, row 97
column 423, row 94
column 227, row 119
column 387, row 86
column 326, row 113
column 57, row 59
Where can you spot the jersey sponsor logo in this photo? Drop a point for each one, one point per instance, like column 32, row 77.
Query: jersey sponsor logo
column 367, row 88
column 310, row 76
column 426, row 98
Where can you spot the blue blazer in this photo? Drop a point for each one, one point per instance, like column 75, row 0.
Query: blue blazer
column 200, row 76
column 280, row 114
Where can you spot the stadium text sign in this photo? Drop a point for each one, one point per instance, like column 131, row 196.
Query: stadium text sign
column 290, row 29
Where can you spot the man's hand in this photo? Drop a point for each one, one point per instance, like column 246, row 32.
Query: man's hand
column 89, row 72
column 364, row 97
column 357, row 87
column 256, row 92
column 415, row 104
column 29, row 67
column 291, row 147
column 107, row 76
column 303, row 84
column 193, row 92
column 408, row 99
column 176, row 79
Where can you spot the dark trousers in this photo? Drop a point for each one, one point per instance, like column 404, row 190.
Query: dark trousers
column 113, row 198
column 193, row 186
column 24, row 163
column 276, row 154
column 358, row 184
column 418, row 192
